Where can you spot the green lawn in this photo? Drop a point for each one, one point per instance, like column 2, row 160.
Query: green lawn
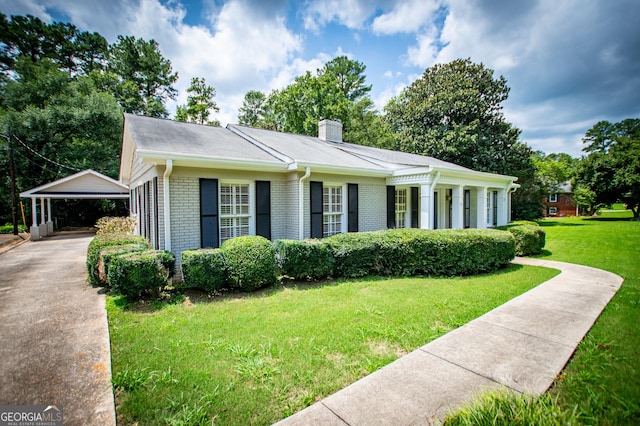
column 603, row 378
column 258, row 359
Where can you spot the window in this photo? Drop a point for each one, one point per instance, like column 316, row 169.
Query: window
column 401, row 208
column 553, row 198
column 332, row 210
column 492, row 208
column 553, row 211
column 467, row 208
column 235, row 216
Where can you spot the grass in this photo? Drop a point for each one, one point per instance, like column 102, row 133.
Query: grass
column 603, row 378
column 257, row 359
column 601, row 383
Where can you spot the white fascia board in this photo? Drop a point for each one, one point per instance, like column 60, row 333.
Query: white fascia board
column 340, row 170
column 472, row 175
column 195, row 160
column 126, row 155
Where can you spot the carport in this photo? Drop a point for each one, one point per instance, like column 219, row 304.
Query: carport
column 87, row 184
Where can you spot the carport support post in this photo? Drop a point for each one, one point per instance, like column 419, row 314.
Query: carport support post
column 50, row 219
column 35, row 230
column 43, row 223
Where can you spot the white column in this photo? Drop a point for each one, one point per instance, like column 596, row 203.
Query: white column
column 503, row 214
column 43, row 218
column 49, row 217
column 34, row 212
column 457, row 207
column 481, row 207
column 426, row 207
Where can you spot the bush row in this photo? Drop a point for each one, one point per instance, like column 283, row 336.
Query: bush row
column 127, row 265
column 407, row 252
column 243, row 263
column 247, row 263
column 530, row 237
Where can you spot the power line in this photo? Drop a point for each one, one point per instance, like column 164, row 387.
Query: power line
column 43, row 157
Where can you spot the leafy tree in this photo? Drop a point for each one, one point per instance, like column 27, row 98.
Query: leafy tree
column 554, row 170
column 349, row 75
column 365, row 126
column 144, row 76
column 199, row 105
column 612, row 169
column 454, row 113
column 253, row 111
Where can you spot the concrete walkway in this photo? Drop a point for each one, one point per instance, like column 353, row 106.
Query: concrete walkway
column 521, row 345
column 54, row 339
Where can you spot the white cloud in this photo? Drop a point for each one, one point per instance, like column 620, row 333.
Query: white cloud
column 350, row 13
column 406, row 17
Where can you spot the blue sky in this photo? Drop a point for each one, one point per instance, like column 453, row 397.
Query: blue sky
column 569, row 63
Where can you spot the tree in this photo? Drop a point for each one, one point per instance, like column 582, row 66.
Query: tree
column 554, row 170
column 144, row 76
column 612, row 169
column 349, row 75
column 454, row 113
column 253, row 111
column 60, row 125
column 199, row 105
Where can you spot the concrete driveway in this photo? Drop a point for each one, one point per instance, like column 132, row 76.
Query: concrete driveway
column 54, row 338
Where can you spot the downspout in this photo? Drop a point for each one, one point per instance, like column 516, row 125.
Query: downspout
column 167, row 206
column 301, row 203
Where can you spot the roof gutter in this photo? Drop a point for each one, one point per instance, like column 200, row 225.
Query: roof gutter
column 301, row 203
column 167, row 206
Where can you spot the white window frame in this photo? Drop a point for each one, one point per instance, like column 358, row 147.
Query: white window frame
column 342, row 227
column 553, row 211
column 553, row 198
column 236, row 216
column 402, row 216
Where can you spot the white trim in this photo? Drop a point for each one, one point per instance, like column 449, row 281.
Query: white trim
column 250, row 215
column 167, row 204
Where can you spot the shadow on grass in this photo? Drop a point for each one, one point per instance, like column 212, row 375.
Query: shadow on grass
column 191, row 297
column 609, row 219
column 543, row 253
column 545, row 223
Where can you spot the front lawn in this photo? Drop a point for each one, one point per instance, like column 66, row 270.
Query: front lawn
column 603, row 378
column 257, row 359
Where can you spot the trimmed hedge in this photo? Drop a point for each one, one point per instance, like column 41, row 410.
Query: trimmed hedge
column 304, row 260
column 109, row 253
column 205, row 269
column 529, row 239
column 250, row 262
column 139, row 273
column 99, row 242
column 406, row 252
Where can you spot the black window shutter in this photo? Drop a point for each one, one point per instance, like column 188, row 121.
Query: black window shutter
column 315, row 200
column 263, row 208
column 391, row 206
column 209, row 236
column 415, row 204
column 352, row 207
column 495, row 208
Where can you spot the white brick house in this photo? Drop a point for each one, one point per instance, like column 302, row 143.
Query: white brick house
column 195, row 186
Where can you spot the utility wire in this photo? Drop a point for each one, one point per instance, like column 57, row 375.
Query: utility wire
column 43, row 157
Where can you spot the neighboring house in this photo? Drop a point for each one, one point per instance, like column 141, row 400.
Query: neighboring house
column 560, row 203
column 195, row 186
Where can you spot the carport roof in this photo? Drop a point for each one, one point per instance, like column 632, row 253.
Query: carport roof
column 85, row 184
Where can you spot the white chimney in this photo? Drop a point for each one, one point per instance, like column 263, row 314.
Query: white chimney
column 329, row 130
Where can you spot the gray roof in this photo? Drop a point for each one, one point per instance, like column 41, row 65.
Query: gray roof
column 308, row 150
column 175, row 137
column 398, row 157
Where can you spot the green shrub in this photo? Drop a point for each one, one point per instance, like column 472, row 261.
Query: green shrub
column 141, row 273
column 359, row 254
column 529, row 239
column 523, row 222
column 116, row 225
column 205, row 269
column 407, row 252
column 303, row 260
column 99, row 242
column 107, row 254
column 7, row 228
column 250, row 262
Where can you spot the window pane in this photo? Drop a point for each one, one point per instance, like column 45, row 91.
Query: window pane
column 401, row 208
column 234, row 211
